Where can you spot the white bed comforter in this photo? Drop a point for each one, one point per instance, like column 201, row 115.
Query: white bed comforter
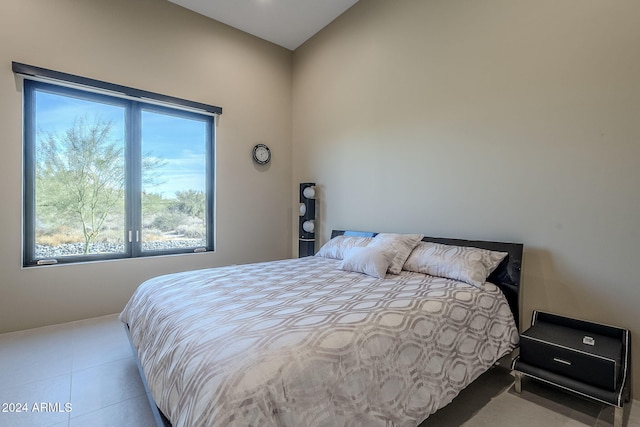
column 301, row 343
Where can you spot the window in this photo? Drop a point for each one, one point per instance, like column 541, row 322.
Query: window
column 113, row 177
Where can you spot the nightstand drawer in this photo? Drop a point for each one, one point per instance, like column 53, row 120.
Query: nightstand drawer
column 563, row 350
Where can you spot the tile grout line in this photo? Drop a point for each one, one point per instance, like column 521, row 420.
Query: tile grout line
column 75, row 371
column 122, row 402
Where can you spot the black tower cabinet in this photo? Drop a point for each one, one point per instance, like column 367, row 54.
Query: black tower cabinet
column 306, row 226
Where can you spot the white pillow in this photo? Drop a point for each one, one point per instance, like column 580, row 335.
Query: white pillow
column 466, row 264
column 337, row 247
column 400, row 245
column 372, row 261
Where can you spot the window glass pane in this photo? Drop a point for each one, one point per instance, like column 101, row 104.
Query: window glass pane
column 174, row 171
column 79, row 176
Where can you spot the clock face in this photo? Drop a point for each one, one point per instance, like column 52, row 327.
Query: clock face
column 261, row 154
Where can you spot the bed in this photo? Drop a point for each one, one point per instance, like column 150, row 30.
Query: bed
column 374, row 330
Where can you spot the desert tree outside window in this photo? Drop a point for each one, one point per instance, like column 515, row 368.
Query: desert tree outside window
column 109, row 177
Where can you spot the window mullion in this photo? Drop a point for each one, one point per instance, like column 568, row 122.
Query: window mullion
column 134, row 180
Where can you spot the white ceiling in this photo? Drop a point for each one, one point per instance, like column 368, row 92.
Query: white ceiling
column 287, row 23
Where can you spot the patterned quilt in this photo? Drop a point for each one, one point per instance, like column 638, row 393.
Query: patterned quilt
column 302, row 343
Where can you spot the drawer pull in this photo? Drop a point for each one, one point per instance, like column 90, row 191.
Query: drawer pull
column 588, row 340
column 564, row 362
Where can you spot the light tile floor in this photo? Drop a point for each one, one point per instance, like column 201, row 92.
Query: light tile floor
column 491, row 401
column 89, row 365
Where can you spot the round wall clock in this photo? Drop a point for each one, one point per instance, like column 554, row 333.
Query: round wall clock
column 261, row 154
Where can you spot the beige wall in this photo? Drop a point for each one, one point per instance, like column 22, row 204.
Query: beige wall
column 499, row 120
column 157, row 46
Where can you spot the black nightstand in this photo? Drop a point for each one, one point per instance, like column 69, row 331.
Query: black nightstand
column 590, row 359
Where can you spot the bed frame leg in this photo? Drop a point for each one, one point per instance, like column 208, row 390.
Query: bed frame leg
column 518, row 383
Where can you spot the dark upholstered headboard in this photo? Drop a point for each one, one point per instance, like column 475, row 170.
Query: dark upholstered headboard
column 507, row 275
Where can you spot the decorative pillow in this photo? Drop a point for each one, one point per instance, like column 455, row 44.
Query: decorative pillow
column 400, row 245
column 372, row 261
column 337, row 247
column 466, row 264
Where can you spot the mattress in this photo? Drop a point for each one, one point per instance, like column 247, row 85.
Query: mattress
column 302, row 343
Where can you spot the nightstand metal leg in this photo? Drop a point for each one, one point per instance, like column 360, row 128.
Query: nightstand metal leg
column 518, row 382
column 618, row 416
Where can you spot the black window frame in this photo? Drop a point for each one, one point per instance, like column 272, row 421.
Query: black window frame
column 133, row 161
